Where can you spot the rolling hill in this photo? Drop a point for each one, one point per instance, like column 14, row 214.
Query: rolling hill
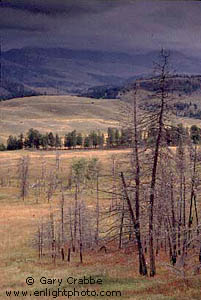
column 31, row 71
column 62, row 114
column 59, row 114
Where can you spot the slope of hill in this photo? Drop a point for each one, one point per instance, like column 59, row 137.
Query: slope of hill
column 59, row 114
column 11, row 89
column 62, row 114
column 64, row 71
column 184, row 90
column 179, row 84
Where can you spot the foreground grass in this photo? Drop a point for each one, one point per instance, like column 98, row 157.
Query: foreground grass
column 117, row 269
column 117, row 277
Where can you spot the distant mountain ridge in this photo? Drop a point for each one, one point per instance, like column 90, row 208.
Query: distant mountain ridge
column 32, row 71
column 179, row 84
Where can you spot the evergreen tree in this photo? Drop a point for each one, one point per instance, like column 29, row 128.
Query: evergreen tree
column 117, row 137
column 57, row 141
column 101, row 139
column 68, row 140
column 195, row 134
column 111, row 137
column 74, row 138
column 12, row 143
column 51, row 139
column 94, row 138
column 33, row 139
column 71, row 139
column 126, row 137
column 44, row 140
column 87, row 142
column 79, row 139
column 20, row 142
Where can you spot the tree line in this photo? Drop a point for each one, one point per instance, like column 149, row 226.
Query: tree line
column 113, row 139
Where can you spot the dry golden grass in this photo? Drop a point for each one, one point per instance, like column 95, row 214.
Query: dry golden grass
column 59, row 114
column 118, row 270
column 62, row 114
column 19, row 221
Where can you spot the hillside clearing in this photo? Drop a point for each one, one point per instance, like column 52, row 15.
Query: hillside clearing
column 62, row 114
column 59, row 114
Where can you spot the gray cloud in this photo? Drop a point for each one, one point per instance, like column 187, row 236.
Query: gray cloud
column 57, row 7
column 117, row 25
column 19, row 21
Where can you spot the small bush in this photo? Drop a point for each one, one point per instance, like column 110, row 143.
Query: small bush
column 2, row 147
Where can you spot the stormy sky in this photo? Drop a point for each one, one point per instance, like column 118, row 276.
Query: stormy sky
column 108, row 25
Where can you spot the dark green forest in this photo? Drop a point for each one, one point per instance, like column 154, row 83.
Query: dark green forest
column 115, row 138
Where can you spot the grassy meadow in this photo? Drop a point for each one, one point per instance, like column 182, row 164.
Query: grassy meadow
column 19, row 219
column 62, row 114
column 117, row 269
column 59, row 114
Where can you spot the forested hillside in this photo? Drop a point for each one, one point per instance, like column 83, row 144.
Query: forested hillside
column 100, row 74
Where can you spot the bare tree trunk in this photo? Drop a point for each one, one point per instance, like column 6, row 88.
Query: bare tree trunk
column 39, row 242
column 71, row 228
column 113, row 183
column 121, row 226
column 69, row 253
column 62, row 218
column 53, row 242
column 75, row 217
column 142, row 262
column 190, row 219
column 57, row 160
column 151, row 199
column 196, row 215
column 180, row 214
column 97, row 210
column 80, row 235
column 23, row 176
column 184, row 218
column 174, row 236
column 162, row 95
column 169, row 240
column 54, row 251
column 62, row 254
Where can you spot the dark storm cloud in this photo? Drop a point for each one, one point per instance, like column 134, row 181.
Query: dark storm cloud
column 62, row 20
column 47, row 15
column 23, row 27
column 13, row 20
column 18, row 21
column 56, row 7
column 117, row 25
